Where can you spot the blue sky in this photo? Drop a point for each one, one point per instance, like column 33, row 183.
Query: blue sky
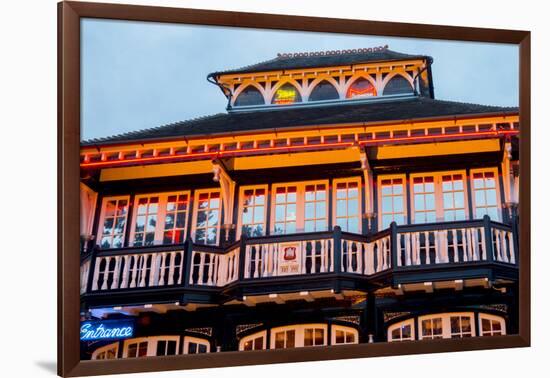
column 137, row 75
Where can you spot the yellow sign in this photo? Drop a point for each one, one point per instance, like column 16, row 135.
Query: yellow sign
column 285, row 96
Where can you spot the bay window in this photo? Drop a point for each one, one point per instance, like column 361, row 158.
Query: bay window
column 485, row 194
column 300, row 207
column 438, row 197
column 253, row 342
column 401, row 331
column 160, row 219
column 206, row 216
column 344, row 335
column 151, row 346
column 297, row 336
column 450, row 325
column 252, row 211
column 112, row 224
column 195, row 345
column 491, row 325
column 391, row 200
column 347, row 204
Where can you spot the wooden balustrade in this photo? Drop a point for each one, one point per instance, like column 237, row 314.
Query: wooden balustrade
column 457, row 242
column 214, row 269
column 503, row 246
column 366, row 258
column 138, row 270
column 275, row 259
column 398, row 248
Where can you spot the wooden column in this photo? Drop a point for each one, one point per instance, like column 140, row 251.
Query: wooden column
column 368, row 211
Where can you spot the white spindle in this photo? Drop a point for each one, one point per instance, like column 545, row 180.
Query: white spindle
column 116, row 273
column 360, row 254
column 106, row 274
column 143, row 270
column 126, row 272
column 247, row 259
column 497, row 242
column 180, row 275
column 96, row 274
column 200, row 280
column 511, row 248
column 171, row 267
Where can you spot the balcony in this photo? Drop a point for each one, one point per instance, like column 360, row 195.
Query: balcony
column 307, row 262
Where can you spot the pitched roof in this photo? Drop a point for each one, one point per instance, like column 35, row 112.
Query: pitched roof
column 310, row 60
column 281, row 118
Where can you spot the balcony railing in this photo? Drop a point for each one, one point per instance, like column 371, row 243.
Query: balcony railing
column 399, row 248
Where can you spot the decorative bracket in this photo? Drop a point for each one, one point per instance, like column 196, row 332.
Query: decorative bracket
column 227, row 186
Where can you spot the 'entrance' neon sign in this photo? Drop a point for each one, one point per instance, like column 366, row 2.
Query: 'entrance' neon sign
column 106, row 330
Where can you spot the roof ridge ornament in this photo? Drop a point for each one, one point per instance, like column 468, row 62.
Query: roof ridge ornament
column 333, row 52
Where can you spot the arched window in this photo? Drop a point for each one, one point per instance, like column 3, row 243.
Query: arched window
column 397, row 85
column 249, row 96
column 286, row 94
column 361, row 88
column 324, row 91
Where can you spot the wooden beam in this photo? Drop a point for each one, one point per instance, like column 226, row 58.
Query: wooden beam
column 307, row 296
column 429, row 287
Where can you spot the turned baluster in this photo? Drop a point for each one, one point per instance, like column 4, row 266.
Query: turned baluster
column 116, row 273
column 96, row 273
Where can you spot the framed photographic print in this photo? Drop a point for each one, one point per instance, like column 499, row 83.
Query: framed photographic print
column 241, row 188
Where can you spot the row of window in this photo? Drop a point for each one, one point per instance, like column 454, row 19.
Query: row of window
column 297, row 336
column 162, row 218
column 433, row 326
column 152, row 346
column 323, row 91
column 447, row 326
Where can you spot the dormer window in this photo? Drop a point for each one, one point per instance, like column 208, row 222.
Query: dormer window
column 324, row 91
column 249, row 96
column 361, row 88
column 286, row 94
column 398, row 85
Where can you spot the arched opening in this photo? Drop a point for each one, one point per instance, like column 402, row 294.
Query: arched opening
column 398, row 85
column 249, row 96
column 324, row 91
column 361, row 88
column 286, row 94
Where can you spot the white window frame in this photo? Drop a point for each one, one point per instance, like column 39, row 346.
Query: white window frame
column 335, row 216
column 300, row 203
column 106, row 348
column 196, row 195
column 409, row 322
column 446, row 323
column 161, row 214
column 151, row 344
column 379, row 180
column 102, row 218
column 197, row 340
column 299, row 333
column 241, row 206
column 346, row 331
column 491, row 318
column 438, row 193
column 252, row 337
column 494, row 170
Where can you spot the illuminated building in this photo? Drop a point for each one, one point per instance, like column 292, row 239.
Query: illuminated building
column 336, row 201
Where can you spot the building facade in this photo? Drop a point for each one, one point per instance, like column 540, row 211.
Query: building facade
column 335, row 201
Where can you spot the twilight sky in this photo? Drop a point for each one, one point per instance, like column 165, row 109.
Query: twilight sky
column 138, row 75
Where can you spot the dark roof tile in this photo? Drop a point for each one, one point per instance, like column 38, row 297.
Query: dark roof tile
column 380, row 111
column 284, row 62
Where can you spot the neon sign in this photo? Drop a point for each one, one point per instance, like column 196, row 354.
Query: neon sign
column 106, row 330
column 285, row 96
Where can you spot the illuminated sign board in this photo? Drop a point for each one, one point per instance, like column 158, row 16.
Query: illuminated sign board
column 285, row 95
column 106, row 330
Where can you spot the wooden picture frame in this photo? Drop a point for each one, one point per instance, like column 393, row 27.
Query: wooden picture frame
column 69, row 16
